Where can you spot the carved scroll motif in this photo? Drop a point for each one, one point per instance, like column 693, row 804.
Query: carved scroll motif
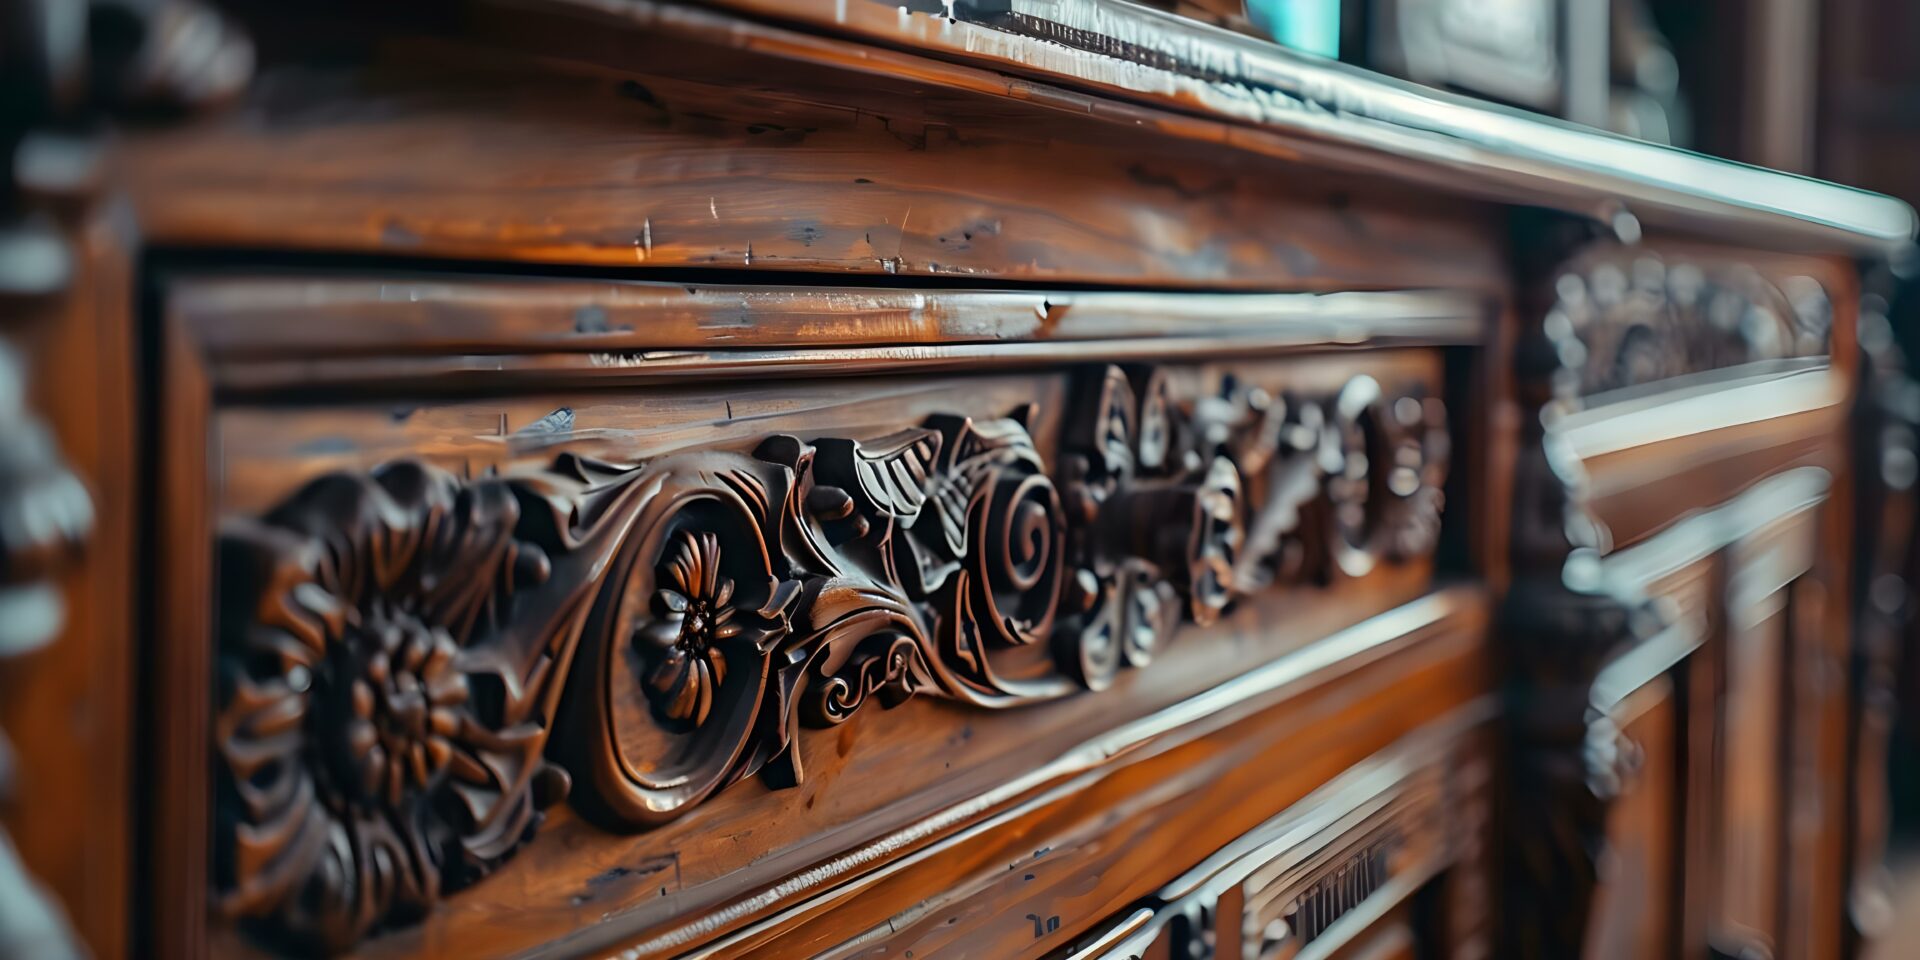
column 396, row 648
column 1620, row 317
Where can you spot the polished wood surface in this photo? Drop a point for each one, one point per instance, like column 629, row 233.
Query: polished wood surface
column 783, row 480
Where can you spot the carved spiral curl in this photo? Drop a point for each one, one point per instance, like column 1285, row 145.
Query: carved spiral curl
column 1018, row 551
column 882, row 666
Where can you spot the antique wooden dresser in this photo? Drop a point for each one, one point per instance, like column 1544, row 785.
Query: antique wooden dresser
column 990, row 478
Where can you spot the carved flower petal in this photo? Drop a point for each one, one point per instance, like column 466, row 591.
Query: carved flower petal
column 683, row 567
column 688, row 700
column 669, row 601
column 415, row 652
column 661, row 633
column 406, row 683
column 444, row 650
column 670, row 674
column 439, row 751
column 701, row 686
column 716, row 665
column 362, row 698
column 396, row 783
column 446, row 689
column 723, row 592
column 361, row 737
column 723, row 630
column 417, row 760
column 709, row 567
column 373, row 767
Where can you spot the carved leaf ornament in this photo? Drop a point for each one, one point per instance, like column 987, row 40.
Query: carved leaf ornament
column 397, row 647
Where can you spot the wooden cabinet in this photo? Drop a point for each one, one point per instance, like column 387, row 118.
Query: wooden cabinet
column 843, row 480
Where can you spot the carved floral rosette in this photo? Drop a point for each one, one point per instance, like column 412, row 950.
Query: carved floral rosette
column 397, row 649
column 380, row 732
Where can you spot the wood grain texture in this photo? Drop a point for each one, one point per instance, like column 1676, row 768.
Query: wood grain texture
column 643, row 479
column 1349, row 117
column 635, row 151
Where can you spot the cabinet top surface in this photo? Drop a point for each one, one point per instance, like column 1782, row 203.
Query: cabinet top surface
column 1322, row 112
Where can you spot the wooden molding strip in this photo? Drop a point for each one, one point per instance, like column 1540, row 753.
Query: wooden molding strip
column 267, row 333
column 1707, row 403
column 293, row 315
column 1774, row 500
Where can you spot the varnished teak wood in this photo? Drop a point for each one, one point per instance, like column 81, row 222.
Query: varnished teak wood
column 743, row 479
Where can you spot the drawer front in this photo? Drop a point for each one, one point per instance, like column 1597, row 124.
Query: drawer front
column 1385, row 860
column 653, row 618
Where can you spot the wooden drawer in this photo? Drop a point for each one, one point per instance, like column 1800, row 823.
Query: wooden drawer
column 569, row 617
column 1385, row 860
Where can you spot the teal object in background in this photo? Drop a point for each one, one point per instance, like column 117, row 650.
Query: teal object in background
column 1309, row 25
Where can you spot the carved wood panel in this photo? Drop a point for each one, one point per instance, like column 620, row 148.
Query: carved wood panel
column 397, row 647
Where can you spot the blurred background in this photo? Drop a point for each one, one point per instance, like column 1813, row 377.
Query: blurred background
column 1826, row 88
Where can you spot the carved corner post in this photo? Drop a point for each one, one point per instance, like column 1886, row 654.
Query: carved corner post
column 65, row 67
column 45, row 517
column 45, row 512
column 1559, row 625
column 1886, row 434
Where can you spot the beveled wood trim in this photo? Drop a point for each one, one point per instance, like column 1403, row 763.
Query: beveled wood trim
column 242, row 317
column 1703, row 404
column 413, row 377
column 178, row 650
column 1774, row 500
column 1650, row 464
column 271, row 335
